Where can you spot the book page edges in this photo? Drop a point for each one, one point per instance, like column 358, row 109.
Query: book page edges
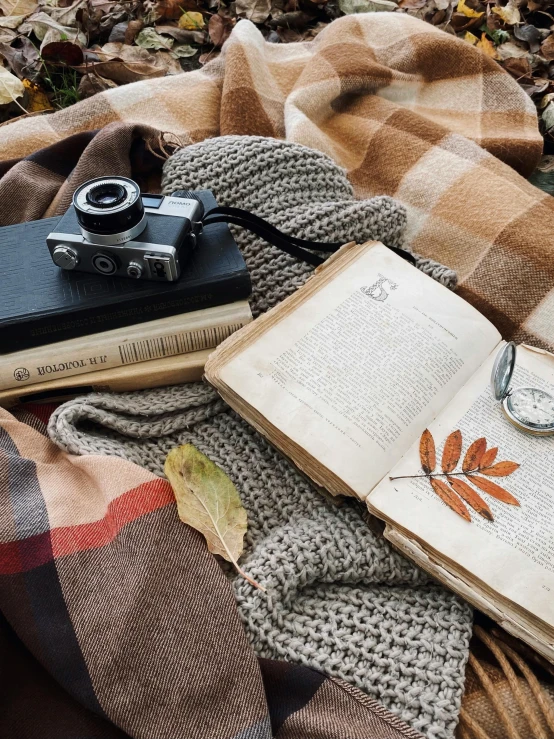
column 295, row 453
column 515, row 623
column 142, row 376
column 246, row 336
column 215, row 316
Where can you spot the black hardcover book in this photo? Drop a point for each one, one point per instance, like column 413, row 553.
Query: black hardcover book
column 41, row 303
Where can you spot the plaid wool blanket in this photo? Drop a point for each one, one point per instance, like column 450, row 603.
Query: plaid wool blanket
column 115, row 621
column 408, row 110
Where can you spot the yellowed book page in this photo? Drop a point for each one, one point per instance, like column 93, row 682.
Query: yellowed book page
column 513, row 554
column 356, row 371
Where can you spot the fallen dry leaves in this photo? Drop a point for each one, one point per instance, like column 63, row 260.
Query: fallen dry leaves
column 62, row 46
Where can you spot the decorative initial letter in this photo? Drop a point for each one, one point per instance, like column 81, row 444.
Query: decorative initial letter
column 377, row 290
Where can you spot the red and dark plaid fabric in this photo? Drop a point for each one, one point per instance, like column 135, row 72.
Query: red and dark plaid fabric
column 117, row 622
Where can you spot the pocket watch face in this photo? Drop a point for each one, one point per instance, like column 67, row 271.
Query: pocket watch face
column 532, row 407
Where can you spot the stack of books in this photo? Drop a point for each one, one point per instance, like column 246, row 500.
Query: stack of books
column 66, row 333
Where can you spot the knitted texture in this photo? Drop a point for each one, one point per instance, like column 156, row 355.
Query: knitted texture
column 339, row 598
column 299, row 190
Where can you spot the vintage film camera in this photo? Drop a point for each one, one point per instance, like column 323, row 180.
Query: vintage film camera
column 112, row 229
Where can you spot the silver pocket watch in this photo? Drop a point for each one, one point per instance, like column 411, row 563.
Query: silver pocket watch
column 529, row 409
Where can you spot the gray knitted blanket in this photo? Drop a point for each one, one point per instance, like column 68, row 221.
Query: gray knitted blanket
column 339, row 598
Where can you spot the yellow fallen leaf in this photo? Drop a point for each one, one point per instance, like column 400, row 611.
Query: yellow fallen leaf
column 509, row 13
column 487, row 46
column 18, row 7
column 467, row 11
column 471, row 38
column 209, row 502
column 37, row 99
column 10, row 87
column 191, row 21
column 546, row 99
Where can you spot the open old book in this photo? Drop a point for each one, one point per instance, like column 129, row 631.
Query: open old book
column 345, row 375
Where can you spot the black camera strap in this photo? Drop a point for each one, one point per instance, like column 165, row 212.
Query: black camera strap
column 299, row 248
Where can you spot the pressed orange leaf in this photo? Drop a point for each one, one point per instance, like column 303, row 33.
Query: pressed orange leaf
column 427, row 453
column 490, row 487
column 474, row 455
column 451, row 500
column 488, row 457
column 471, row 497
column 500, row 469
column 452, row 451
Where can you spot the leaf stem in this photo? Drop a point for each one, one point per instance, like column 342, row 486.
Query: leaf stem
column 231, row 559
column 249, row 579
column 436, row 474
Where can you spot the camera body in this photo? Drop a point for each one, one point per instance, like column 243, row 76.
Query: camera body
column 112, row 229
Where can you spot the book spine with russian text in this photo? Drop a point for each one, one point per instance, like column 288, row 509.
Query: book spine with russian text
column 166, row 337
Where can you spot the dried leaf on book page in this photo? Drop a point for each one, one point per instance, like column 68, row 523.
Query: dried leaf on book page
column 490, row 487
column 475, row 460
column 488, row 457
column 451, row 452
column 451, row 500
column 208, row 501
column 427, row 452
column 471, row 497
column 474, row 455
column 500, row 469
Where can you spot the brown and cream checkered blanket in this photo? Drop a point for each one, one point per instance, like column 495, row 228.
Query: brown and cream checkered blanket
column 408, row 110
column 97, row 640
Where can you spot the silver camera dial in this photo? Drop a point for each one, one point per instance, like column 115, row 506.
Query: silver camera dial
column 65, row 257
column 135, row 270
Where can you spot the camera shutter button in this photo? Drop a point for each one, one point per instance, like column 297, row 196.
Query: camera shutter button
column 134, row 270
column 65, row 257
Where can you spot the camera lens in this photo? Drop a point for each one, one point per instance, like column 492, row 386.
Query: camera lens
column 104, row 263
column 109, row 210
column 107, row 195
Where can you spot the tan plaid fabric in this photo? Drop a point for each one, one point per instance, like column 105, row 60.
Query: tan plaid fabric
column 408, row 110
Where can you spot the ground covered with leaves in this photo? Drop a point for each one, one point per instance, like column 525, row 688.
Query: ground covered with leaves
column 56, row 52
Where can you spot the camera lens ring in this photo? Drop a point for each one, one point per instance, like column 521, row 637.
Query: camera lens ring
column 106, row 195
column 109, row 210
column 104, row 263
